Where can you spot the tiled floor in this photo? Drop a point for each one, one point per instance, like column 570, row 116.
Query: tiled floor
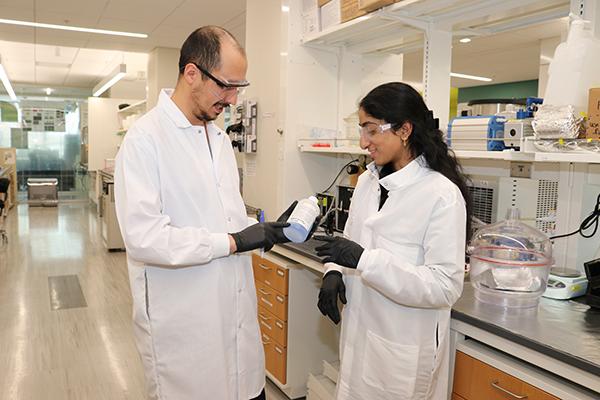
column 84, row 350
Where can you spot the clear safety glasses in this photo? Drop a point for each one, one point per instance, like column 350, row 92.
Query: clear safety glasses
column 369, row 130
column 225, row 86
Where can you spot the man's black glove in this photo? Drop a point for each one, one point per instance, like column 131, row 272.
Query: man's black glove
column 339, row 250
column 332, row 286
column 263, row 235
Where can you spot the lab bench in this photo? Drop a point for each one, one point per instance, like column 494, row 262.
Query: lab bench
column 548, row 352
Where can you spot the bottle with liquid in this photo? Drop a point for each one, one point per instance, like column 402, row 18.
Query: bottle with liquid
column 302, row 219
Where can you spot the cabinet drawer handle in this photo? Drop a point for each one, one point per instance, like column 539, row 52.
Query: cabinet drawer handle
column 508, row 392
column 267, row 325
column 264, row 267
column 279, row 324
column 265, row 342
column 263, row 317
column 277, row 349
column 280, row 272
column 264, row 292
column 280, row 299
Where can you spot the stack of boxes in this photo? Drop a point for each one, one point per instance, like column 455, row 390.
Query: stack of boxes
column 319, row 15
column 593, row 130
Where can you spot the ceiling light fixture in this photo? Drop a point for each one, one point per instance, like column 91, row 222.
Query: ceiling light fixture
column 48, row 91
column 72, row 28
column 110, row 80
column 285, row 8
column 6, row 83
column 473, row 77
column 465, row 40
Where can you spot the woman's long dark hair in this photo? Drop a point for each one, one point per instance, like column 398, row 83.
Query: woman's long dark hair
column 396, row 103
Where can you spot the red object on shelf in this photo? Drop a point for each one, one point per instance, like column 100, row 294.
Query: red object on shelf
column 321, row 145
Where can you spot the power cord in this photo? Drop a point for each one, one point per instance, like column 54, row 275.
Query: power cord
column 339, row 173
column 588, row 222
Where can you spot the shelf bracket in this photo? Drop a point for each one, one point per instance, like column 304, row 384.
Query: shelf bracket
column 437, row 58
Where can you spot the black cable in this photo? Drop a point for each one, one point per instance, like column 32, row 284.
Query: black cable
column 338, row 175
column 587, row 223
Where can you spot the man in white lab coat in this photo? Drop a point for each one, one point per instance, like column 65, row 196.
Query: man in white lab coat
column 185, row 228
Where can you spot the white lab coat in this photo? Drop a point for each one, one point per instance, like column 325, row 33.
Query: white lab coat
column 399, row 297
column 194, row 305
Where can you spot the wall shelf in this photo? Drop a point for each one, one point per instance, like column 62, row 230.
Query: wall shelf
column 139, row 107
column 333, row 150
column 538, row 156
column 399, row 27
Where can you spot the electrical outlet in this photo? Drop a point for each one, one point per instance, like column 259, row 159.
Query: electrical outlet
column 520, row 170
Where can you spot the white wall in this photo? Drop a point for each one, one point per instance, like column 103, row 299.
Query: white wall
column 299, row 87
column 162, row 72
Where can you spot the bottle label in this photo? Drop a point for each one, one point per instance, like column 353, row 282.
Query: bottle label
column 304, row 214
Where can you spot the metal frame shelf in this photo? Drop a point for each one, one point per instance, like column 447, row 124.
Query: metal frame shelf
column 399, row 27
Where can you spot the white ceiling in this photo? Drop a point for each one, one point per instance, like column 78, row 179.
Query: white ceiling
column 64, row 58
column 505, row 57
column 54, row 58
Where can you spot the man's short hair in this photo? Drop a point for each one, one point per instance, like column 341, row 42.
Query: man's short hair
column 203, row 47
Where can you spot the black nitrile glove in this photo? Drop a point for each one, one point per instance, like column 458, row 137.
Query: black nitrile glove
column 263, row 235
column 332, row 286
column 339, row 250
column 286, row 214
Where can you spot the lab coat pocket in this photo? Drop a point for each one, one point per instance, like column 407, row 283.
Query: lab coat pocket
column 390, row 367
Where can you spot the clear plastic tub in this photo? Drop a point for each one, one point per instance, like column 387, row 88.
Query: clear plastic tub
column 510, row 262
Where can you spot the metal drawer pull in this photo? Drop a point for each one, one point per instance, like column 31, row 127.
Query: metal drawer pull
column 280, row 272
column 266, row 342
column 280, row 299
column 508, row 392
column 267, row 325
column 262, row 291
column 279, row 324
column 264, row 267
column 277, row 349
column 263, row 317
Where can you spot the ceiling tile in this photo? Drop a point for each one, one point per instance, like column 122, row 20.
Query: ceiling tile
column 71, row 7
column 193, row 13
column 152, row 12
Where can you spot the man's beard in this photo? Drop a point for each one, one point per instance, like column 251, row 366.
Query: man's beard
column 203, row 116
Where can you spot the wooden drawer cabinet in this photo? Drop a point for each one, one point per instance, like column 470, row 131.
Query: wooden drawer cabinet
column 270, row 274
column 474, row 380
column 296, row 337
column 275, row 358
column 456, row 397
column 272, row 301
column 271, row 325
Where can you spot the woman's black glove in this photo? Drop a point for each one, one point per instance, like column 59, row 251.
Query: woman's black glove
column 263, row 235
column 339, row 250
column 332, row 286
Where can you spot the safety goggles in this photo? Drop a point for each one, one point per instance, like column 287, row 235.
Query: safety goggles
column 225, row 86
column 371, row 129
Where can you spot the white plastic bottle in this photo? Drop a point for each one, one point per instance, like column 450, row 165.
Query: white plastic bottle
column 302, row 219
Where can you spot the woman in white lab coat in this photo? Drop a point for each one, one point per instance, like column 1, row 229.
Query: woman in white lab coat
column 400, row 264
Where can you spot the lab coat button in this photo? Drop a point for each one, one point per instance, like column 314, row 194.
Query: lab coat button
column 228, row 219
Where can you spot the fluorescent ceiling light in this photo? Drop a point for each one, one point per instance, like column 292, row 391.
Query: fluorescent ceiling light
column 285, row 8
column 6, row 83
column 71, row 28
column 110, row 80
column 465, row 40
column 473, row 77
column 48, row 91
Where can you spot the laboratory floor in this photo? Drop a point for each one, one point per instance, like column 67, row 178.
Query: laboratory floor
column 65, row 310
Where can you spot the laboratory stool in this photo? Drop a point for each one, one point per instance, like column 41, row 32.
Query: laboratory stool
column 42, row 191
column 4, row 183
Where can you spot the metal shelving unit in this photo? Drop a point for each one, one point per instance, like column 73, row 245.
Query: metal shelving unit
column 399, row 27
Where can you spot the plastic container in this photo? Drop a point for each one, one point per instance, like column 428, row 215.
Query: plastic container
column 510, row 262
column 302, row 219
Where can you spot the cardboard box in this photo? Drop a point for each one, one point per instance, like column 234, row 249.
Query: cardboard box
column 372, row 5
column 594, row 104
column 330, row 14
column 349, row 10
column 323, row 2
